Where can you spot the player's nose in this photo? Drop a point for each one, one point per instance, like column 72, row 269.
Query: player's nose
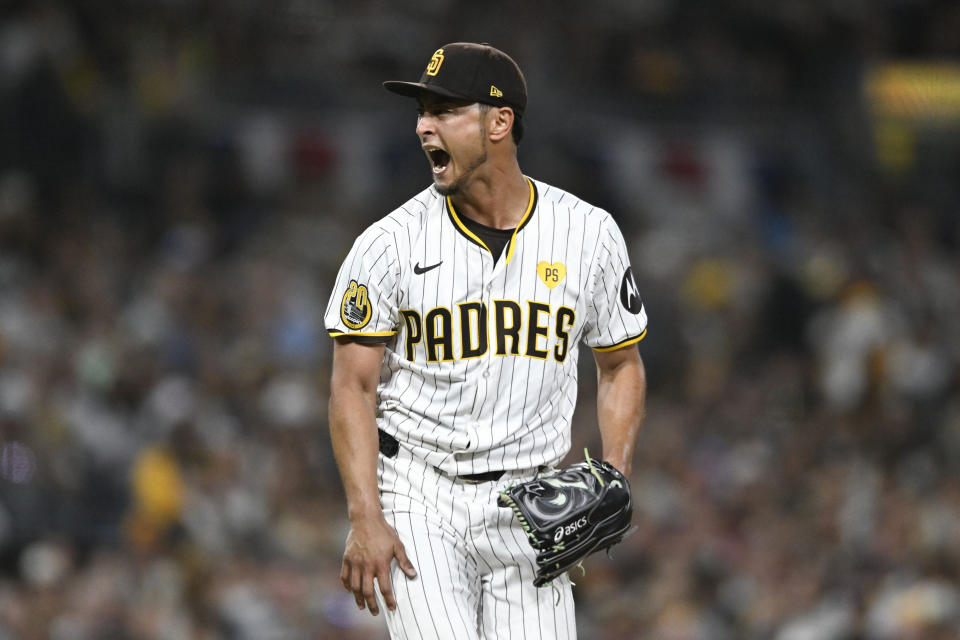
column 425, row 125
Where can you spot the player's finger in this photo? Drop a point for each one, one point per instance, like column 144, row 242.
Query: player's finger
column 386, row 588
column 369, row 595
column 356, row 587
column 404, row 561
column 345, row 575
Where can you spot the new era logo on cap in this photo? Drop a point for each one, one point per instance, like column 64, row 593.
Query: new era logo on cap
column 476, row 72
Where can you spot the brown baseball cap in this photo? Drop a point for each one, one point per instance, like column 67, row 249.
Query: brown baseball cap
column 476, row 72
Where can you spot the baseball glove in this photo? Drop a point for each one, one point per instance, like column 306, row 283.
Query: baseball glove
column 570, row 513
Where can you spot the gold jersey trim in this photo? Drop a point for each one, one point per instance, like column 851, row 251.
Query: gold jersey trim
column 463, row 228
column 523, row 220
column 531, row 205
column 372, row 334
column 625, row 343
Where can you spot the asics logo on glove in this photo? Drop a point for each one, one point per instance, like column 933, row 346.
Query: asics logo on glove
column 559, row 534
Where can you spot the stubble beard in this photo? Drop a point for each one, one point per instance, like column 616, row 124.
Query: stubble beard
column 457, row 185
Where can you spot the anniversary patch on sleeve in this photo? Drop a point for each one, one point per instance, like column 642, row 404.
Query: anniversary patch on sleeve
column 355, row 308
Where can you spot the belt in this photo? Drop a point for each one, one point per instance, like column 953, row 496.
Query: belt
column 389, row 446
column 477, row 478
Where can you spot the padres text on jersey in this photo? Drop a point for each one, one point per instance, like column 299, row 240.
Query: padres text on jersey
column 481, row 354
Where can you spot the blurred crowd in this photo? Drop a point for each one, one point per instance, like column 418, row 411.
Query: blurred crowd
column 179, row 182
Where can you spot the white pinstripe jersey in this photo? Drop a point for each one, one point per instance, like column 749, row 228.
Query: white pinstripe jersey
column 481, row 356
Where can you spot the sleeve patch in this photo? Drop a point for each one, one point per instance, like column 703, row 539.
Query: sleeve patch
column 355, row 307
column 630, row 293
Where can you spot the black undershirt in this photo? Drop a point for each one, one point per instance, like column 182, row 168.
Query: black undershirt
column 495, row 239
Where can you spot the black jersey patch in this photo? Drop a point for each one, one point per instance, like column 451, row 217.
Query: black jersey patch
column 630, row 293
column 355, row 308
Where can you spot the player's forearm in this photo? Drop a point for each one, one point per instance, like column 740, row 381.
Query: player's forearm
column 621, row 402
column 353, row 433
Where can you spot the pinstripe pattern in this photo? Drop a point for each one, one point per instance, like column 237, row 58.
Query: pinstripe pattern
column 456, row 411
column 493, row 412
column 475, row 566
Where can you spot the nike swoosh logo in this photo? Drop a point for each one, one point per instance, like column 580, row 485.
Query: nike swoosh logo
column 417, row 269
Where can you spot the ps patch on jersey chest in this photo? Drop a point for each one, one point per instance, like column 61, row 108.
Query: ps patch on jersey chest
column 355, row 307
column 551, row 274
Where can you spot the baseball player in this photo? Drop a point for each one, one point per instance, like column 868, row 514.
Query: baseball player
column 457, row 320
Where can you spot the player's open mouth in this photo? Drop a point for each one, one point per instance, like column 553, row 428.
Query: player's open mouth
column 439, row 159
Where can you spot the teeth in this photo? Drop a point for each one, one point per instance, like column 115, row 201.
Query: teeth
column 438, row 158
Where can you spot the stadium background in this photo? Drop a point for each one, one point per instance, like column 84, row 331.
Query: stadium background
column 179, row 181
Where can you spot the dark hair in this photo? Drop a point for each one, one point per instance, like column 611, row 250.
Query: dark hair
column 516, row 131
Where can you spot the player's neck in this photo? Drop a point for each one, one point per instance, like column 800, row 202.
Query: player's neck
column 499, row 200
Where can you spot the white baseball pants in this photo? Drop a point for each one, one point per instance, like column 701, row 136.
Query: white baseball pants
column 475, row 568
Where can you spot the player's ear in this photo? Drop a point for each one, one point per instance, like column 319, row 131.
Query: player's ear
column 501, row 120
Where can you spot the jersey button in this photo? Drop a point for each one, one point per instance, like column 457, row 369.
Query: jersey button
column 486, row 374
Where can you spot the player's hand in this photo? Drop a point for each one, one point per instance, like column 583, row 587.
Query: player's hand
column 372, row 544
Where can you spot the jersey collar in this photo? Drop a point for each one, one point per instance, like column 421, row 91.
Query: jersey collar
column 472, row 237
